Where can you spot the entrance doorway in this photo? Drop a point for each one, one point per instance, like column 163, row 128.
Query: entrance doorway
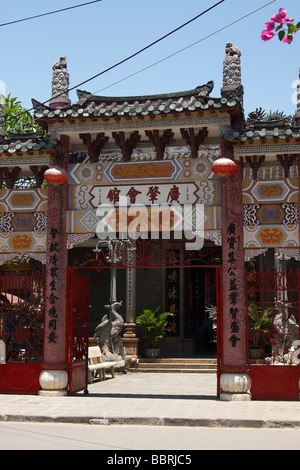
column 184, row 283
column 201, row 305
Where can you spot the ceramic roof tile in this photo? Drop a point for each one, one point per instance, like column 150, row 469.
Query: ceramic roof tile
column 100, row 106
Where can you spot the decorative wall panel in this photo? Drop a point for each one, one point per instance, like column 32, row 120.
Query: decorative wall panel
column 22, row 242
column 271, row 217
column 271, row 236
column 120, row 172
column 23, row 220
column 264, row 192
column 24, row 200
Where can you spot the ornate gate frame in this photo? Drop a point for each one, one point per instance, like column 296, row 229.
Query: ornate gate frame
column 149, row 254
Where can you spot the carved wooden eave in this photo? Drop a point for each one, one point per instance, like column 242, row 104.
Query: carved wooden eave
column 94, row 147
column 194, row 140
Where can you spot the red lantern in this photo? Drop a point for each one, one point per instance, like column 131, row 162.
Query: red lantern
column 56, row 175
column 224, row 167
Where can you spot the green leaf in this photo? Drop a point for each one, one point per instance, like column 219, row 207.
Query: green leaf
column 281, row 35
column 292, row 28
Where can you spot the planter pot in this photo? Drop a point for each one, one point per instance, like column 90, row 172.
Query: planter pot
column 256, row 352
column 16, row 267
column 152, row 352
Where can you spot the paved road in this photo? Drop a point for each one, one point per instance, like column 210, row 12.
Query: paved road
column 116, row 439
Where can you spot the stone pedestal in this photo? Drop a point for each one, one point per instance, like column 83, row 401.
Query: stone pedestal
column 235, row 387
column 131, row 342
column 54, row 383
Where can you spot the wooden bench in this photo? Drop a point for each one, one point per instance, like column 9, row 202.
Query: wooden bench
column 97, row 366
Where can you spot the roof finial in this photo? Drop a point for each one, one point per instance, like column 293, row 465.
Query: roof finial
column 232, row 72
column 297, row 115
column 60, row 84
column 2, row 133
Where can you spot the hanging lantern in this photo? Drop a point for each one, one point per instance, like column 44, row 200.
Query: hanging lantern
column 56, row 175
column 224, row 167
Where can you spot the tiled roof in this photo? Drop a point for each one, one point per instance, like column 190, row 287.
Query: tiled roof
column 22, row 143
column 89, row 105
column 260, row 127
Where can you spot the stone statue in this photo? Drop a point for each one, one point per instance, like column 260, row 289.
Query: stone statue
column 109, row 334
column 230, row 50
column 62, row 64
column 286, row 331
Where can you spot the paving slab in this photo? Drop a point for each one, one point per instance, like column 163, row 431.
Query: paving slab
column 161, row 399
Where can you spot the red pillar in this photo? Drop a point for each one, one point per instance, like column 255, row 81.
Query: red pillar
column 54, row 377
column 234, row 381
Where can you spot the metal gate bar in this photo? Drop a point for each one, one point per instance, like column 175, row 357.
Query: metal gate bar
column 272, row 303
column 78, row 331
column 21, row 331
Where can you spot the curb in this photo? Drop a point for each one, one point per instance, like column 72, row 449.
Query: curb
column 151, row 421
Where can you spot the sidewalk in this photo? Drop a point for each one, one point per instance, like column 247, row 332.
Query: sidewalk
column 164, row 399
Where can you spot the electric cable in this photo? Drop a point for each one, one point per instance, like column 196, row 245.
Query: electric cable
column 49, row 13
column 182, row 50
column 129, row 57
column 140, row 51
column 161, row 60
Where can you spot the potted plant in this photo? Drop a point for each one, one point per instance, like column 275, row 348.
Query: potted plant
column 154, row 326
column 260, row 327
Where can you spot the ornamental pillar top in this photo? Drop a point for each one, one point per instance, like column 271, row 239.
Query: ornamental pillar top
column 232, row 76
column 297, row 115
column 60, row 84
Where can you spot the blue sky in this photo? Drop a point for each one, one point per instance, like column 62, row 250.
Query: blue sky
column 97, row 36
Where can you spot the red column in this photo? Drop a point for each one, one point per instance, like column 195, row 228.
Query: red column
column 54, row 377
column 299, row 197
column 234, row 382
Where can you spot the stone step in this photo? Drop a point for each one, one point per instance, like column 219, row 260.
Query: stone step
column 192, row 365
column 170, row 360
column 174, row 365
column 164, row 370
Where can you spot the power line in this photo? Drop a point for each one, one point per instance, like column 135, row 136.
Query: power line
column 49, row 13
column 161, row 60
column 131, row 56
column 140, row 51
column 183, row 49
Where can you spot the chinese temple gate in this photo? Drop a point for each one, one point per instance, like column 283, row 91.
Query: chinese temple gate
column 206, row 239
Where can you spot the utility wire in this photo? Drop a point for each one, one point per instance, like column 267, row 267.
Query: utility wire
column 49, row 13
column 138, row 52
column 145, row 48
column 161, row 60
column 129, row 57
column 182, row 50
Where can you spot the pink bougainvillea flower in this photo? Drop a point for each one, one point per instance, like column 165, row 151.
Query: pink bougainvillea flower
column 288, row 20
column 287, row 40
column 267, row 35
column 270, row 25
column 280, row 16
